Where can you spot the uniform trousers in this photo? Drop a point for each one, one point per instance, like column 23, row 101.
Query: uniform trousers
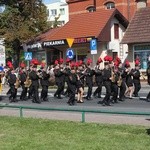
column 35, row 94
column 89, row 92
column 13, row 92
column 71, row 100
column 106, row 99
column 98, row 89
column 44, row 92
column 60, row 87
column 137, row 87
column 24, row 92
column 122, row 90
column 114, row 88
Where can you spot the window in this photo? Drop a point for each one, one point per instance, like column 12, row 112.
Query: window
column 91, row 9
column 62, row 11
column 110, row 5
column 54, row 12
column 116, row 31
column 142, row 52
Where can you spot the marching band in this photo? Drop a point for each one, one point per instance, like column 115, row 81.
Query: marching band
column 119, row 80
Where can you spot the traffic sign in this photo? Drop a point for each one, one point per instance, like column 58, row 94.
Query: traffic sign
column 93, row 46
column 28, row 55
column 70, row 53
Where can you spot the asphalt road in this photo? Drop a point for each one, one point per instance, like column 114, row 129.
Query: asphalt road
column 129, row 105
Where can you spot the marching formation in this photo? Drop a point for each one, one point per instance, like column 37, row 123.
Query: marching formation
column 119, row 80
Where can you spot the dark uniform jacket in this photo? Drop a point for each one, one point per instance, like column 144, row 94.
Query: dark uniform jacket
column 34, row 78
column 136, row 76
column 59, row 78
column 12, row 79
column 73, row 81
column 106, row 75
column 23, row 77
column 45, row 79
column 89, row 76
column 98, row 75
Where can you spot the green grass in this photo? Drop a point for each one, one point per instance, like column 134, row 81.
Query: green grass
column 40, row 134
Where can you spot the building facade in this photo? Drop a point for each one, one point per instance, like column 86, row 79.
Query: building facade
column 137, row 37
column 126, row 7
column 58, row 10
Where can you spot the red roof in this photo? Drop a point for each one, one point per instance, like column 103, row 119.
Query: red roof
column 138, row 30
column 84, row 25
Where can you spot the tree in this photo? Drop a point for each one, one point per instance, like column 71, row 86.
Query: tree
column 22, row 20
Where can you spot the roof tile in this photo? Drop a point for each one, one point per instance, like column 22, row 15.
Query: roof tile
column 138, row 30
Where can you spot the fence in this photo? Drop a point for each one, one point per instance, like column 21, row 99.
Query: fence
column 83, row 111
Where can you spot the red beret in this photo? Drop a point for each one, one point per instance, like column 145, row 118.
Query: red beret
column 89, row 61
column 99, row 60
column 56, row 62
column 22, row 65
column 61, row 60
column 80, row 62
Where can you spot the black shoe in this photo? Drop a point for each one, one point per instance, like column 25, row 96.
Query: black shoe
column 148, row 100
column 55, row 95
column 89, row 98
column 69, row 103
column 108, row 104
column 45, row 99
column 59, row 97
column 99, row 102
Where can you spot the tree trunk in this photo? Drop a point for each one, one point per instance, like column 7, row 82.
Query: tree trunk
column 16, row 47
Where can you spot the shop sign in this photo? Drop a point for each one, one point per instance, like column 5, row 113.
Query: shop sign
column 82, row 40
column 37, row 45
column 54, row 43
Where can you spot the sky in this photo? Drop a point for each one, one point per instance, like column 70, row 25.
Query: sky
column 49, row 1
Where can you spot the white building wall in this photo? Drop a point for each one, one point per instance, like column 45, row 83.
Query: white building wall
column 58, row 6
column 114, row 45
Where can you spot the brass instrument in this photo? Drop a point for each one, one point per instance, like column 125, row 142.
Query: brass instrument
column 28, row 82
column 113, row 76
column 17, row 84
column 119, row 82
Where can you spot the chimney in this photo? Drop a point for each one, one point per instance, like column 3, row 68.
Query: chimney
column 141, row 3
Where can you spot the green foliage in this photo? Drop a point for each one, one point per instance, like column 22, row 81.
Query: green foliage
column 22, row 20
column 40, row 134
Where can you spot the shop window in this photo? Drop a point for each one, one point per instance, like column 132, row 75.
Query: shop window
column 142, row 52
column 116, row 31
column 110, row 5
column 91, row 9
